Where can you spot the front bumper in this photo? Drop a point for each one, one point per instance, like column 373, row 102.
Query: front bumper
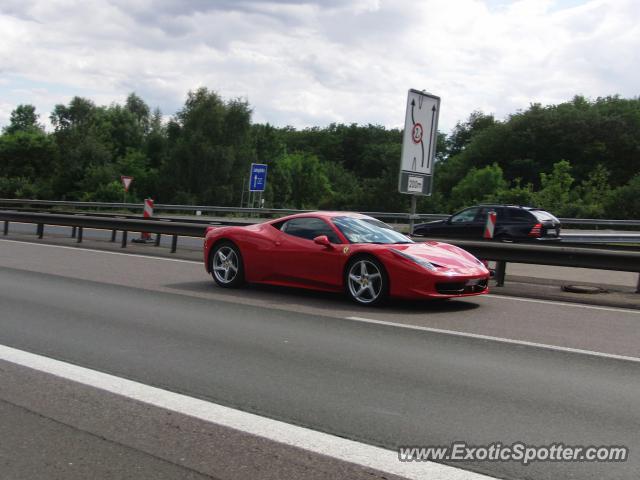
column 426, row 285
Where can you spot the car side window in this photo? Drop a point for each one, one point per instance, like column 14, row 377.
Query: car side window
column 484, row 212
column 309, row 228
column 519, row 215
column 465, row 216
column 481, row 216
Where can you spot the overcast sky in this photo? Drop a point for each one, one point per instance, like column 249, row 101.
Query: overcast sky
column 306, row 63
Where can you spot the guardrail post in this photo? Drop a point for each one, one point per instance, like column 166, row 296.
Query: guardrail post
column 79, row 239
column 124, row 239
column 113, row 235
column 501, row 270
column 158, row 237
column 40, row 230
column 638, row 287
column 6, row 227
column 174, row 243
column 73, row 232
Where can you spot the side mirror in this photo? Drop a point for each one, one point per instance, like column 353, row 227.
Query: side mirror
column 448, row 220
column 322, row 240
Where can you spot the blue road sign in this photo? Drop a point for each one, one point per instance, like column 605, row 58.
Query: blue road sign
column 258, row 180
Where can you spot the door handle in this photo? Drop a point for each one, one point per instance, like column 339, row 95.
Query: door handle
column 277, row 243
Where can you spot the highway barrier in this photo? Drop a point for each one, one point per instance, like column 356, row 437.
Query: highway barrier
column 595, row 258
column 560, row 256
column 79, row 222
column 402, row 216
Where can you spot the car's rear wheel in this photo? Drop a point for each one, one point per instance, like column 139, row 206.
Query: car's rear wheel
column 366, row 281
column 226, row 265
column 505, row 238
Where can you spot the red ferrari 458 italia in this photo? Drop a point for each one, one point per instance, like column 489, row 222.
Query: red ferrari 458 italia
column 338, row 251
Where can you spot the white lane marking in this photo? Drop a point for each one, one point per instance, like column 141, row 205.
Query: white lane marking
column 495, row 339
column 106, row 252
column 499, row 297
column 274, row 430
column 563, row 304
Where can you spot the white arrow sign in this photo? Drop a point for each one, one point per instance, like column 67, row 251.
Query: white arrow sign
column 419, row 142
column 420, row 130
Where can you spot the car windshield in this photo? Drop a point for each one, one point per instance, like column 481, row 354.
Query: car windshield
column 368, row 230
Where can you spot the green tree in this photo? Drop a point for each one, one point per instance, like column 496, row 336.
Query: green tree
column 140, row 111
column 518, row 194
column 24, row 119
column 624, row 201
column 463, row 133
column 478, row 185
column 555, row 194
column 593, row 193
column 26, row 154
column 156, row 143
column 210, row 149
column 300, row 181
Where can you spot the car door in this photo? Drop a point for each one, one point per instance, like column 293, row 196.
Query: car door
column 460, row 224
column 520, row 223
column 476, row 229
column 301, row 261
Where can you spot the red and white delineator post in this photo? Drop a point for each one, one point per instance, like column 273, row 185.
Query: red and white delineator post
column 489, row 229
column 501, row 266
column 148, row 213
column 490, row 226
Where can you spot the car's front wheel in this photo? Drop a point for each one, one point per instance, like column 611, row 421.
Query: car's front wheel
column 366, row 281
column 226, row 265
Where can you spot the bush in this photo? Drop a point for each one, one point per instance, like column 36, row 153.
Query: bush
column 477, row 186
column 624, row 202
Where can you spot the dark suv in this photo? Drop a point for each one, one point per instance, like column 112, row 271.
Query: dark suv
column 513, row 223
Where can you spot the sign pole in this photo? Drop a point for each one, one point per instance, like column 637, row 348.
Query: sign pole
column 414, row 204
column 244, row 182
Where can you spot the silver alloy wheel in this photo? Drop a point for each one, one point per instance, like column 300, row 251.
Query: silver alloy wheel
column 365, row 281
column 225, row 264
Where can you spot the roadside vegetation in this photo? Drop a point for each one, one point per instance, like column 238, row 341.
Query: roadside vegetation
column 576, row 159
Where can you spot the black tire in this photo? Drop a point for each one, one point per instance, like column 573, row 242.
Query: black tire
column 372, row 282
column 226, row 265
column 505, row 238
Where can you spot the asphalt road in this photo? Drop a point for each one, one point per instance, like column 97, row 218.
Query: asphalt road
column 163, row 323
column 25, row 455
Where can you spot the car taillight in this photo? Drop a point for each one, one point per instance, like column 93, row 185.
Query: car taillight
column 536, row 231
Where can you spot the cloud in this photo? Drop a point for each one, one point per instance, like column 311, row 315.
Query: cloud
column 307, row 63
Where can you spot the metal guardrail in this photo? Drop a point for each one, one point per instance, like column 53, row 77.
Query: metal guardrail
column 619, row 238
column 603, row 238
column 198, row 220
column 618, row 260
column 574, row 239
column 79, row 222
column 597, row 222
column 600, row 222
column 604, row 259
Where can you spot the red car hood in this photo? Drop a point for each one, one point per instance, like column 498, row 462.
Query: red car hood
column 444, row 255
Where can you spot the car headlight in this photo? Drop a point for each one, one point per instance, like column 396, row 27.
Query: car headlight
column 420, row 261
